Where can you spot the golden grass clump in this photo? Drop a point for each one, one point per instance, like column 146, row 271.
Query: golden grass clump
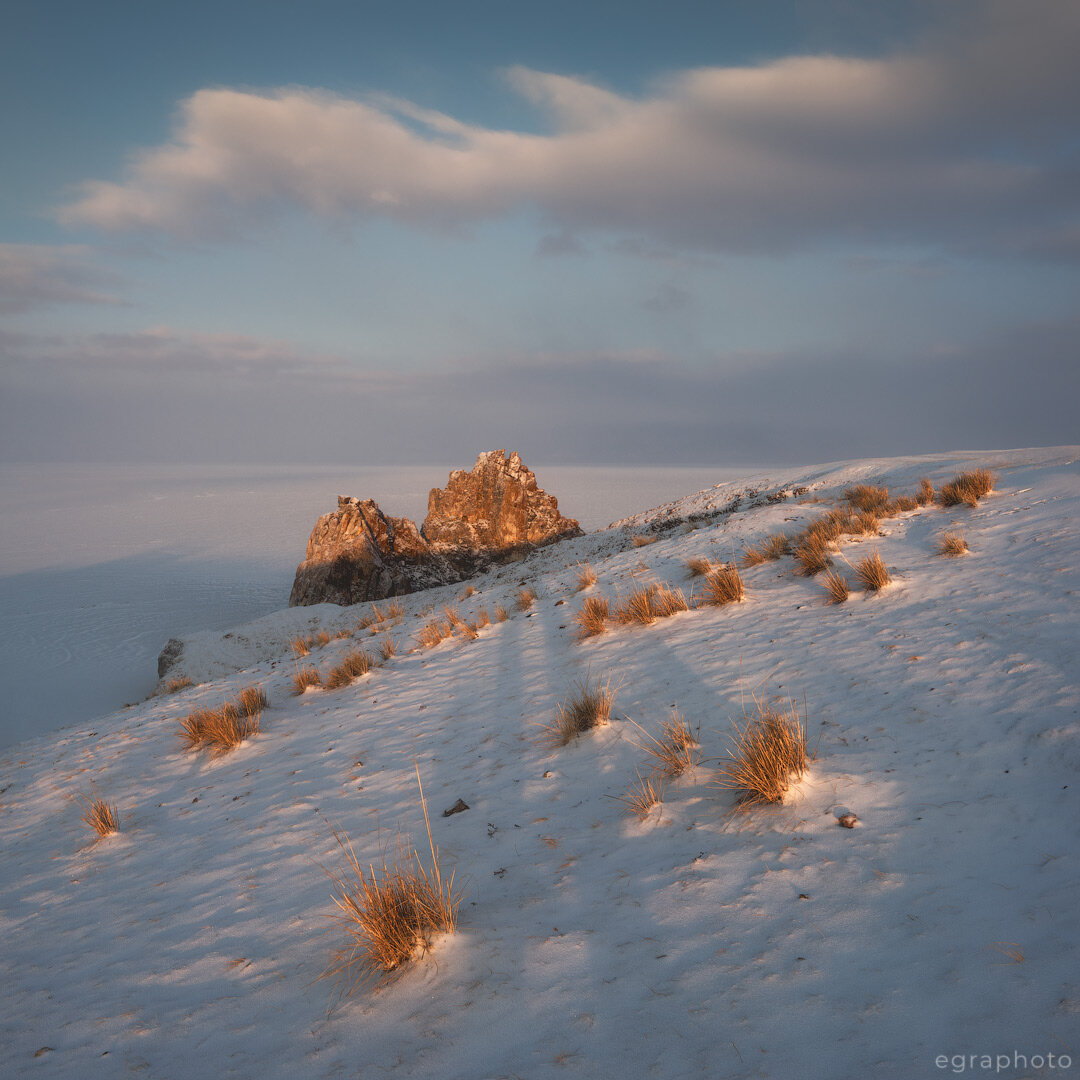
column 952, row 543
column 876, row 500
column 101, row 816
column 813, row 557
column 431, row 633
column 767, row 550
column 699, row 566
column 587, row 705
column 967, row 488
column 322, row 638
column 351, row 666
column 586, row 576
column 470, row 590
column 904, row 503
column 872, row 572
column 647, row 603
column 306, row 677
column 394, row 610
column 592, row 618
column 644, row 541
column 676, row 750
column 767, row 753
column 468, row 630
column 181, row 682
column 483, row 618
column 500, row 613
column 451, row 616
column 388, row 647
column 645, row 793
column 724, row 586
column 835, row 586
column 220, row 729
column 865, row 524
column 668, row 601
column 525, row 598
column 389, row 914
column 925, row 494
column 301, row 646
column 252, row 700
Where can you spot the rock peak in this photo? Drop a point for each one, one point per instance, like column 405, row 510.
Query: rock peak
column 489, row 514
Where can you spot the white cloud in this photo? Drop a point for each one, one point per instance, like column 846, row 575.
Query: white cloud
column 974, row 130
column 36, row 276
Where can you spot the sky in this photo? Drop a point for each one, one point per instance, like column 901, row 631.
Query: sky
column 691, row 232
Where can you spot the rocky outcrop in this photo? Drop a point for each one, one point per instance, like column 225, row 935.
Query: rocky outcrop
column 492, row 513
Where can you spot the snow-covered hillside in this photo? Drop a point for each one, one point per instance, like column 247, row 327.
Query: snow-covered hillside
column 701, row 941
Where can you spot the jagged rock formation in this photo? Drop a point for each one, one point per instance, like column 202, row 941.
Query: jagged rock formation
column 489, row 514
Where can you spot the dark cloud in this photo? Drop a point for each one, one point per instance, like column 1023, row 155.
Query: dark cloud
column 1019, row 390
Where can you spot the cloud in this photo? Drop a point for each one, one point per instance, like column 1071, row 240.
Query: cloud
column 968, row 137
column 134, row 398
column 35, row 276
column 161, row 354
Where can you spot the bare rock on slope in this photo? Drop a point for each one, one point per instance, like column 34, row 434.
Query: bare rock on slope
column 358, row 553
column 489, row 514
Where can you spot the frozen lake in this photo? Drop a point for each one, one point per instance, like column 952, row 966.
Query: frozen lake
column 101, row 564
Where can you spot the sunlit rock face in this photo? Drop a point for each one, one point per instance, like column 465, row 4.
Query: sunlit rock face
column 493, row 513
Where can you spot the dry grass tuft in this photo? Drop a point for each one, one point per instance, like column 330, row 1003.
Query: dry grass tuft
column 101, row 816
column 301, row 646
column 586, row 576
column 220, row 729
column 874, row 500
column 500, row 613
column 699, row 567
column 193, row 728
column 252, row 700
column 322, row 638
column 926, row 491
column 645, row 793
column 813, row 557
column 650, row 602
column 525, row 598
column 872, row 572
column 483, row 618
column 724, row 586
column 768, row 550
column 431, row 633
column 768, row 752
column 470, row 590
column 866, row 524
column 451, row 616
column 586, row 706
column 592, row 618
column 676, row 750
column 952, row 543
column 645, row 541
column 388, row 647
column 305, row 677
column 394, row 610
column 351, row 666
column 668, row 601
column 181, row 682
column 390, row 914
column 468, row 630
column 967, row 488
column 835, row 586
column 904, row 503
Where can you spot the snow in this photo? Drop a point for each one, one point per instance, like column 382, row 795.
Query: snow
column 700, row 942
